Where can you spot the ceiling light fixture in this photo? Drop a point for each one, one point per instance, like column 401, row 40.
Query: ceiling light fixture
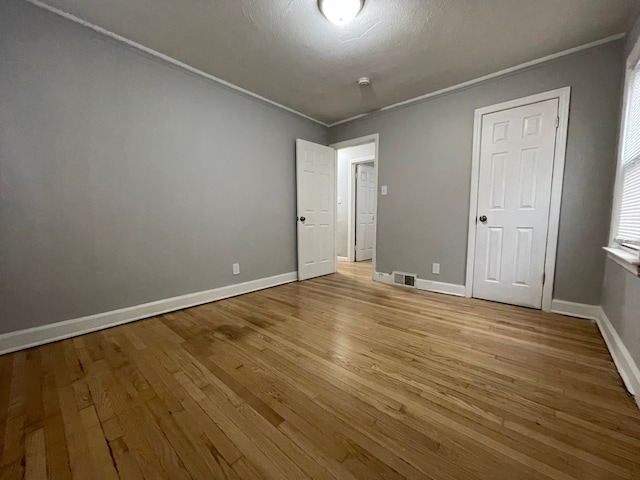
column 340, row 12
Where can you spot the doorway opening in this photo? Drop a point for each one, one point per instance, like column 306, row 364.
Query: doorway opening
column 319, row 248
column 356, row 202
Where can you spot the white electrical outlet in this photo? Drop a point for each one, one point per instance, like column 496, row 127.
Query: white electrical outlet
column 435, row 269
column 236, row 269
column 383, row 190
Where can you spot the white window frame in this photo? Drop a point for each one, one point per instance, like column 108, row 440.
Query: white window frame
column 626, row 257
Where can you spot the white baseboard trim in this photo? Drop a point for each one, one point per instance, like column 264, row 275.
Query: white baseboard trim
column 440, row 287
column 343, row 259
column 426, row 285
column 31, row 337
column 386, row 278
column 579, row 310
column 627, row 368
column 625, row 364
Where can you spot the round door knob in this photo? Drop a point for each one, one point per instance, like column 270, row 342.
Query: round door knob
column 483, row 218
column 302, row 219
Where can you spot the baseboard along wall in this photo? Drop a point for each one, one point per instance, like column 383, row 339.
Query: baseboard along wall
column 31, row 337
column 627, row 368
column 426, row 285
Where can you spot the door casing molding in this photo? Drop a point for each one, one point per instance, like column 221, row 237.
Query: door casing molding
column 564, row 98
column 375, row 138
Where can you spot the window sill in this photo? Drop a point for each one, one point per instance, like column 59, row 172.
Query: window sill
column 625, row 259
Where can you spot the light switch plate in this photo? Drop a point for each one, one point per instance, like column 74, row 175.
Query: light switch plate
column 383, row 190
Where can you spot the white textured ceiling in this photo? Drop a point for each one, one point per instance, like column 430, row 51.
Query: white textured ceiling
column 286, row 51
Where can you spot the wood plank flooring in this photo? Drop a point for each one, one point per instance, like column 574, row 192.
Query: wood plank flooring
column 333, row 378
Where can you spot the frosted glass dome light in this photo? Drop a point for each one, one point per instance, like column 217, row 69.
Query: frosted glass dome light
column 340, row 12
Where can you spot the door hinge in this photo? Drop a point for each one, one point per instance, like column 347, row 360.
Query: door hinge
column 557, row 122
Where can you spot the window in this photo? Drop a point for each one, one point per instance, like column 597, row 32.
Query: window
column 628, row 221
column 625, row 232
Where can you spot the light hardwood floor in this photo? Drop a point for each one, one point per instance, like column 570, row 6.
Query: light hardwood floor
column 337, row 377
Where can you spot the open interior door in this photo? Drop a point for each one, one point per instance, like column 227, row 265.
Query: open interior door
column 316, row 184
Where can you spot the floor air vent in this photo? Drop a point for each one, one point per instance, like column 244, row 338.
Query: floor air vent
column 404, row 279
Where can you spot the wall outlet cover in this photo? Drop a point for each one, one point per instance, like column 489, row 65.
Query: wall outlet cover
column 435, row 269
column 236, row 269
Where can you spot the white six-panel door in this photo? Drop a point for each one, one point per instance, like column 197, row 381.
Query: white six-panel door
column 514, row 196
column 316, row 180
column 365, row 191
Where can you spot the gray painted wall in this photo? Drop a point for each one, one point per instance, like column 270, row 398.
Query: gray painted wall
column 346, row 157
column 621, row 292
column 425, row 159
column 124, row 180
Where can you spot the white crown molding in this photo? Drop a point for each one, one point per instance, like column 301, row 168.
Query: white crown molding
column 191, row 69
column 475, row 81
column 168, row 59
column 31, row 337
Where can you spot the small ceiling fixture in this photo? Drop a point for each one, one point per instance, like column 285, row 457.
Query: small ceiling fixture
column 340, row 12
column 364, row 81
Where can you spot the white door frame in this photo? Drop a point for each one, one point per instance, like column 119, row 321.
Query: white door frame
column 351, row 205
column 375, row 138
column 563, row 95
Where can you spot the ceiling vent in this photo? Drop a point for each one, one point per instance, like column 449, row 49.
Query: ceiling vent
column 404, row 279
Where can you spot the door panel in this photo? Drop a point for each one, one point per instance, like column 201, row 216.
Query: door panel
column 494, row 254
column 365, row 215
column 514, row 193
column 315, row 173
column 498, row 181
